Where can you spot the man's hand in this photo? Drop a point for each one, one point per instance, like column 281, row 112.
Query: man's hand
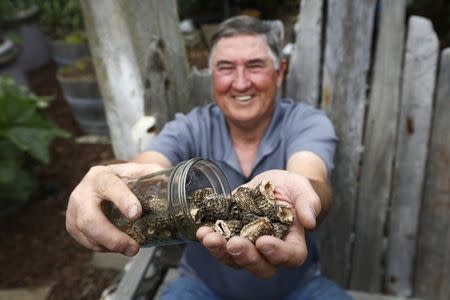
column 268, row 253
column 85, row 220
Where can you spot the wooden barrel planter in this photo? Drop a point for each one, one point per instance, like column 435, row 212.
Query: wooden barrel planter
column 81, row 91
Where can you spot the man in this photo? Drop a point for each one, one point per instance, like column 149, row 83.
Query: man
column 252, row 135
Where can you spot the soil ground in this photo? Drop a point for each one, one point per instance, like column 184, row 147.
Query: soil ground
column 35, row 249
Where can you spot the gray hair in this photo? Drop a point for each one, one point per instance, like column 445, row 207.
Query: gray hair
column 241, row 25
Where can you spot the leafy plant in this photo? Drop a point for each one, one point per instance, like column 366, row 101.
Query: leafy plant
column 24, row 133
column 83, row 67
column 61, row 17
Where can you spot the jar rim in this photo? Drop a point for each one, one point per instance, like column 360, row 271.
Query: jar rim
column 216, row 178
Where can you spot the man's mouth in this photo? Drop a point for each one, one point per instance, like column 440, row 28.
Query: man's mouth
column 244, row 98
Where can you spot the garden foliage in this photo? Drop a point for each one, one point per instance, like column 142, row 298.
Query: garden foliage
column 25, row 132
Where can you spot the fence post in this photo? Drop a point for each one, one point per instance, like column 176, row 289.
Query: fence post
column 419, row 77
column 379, row 146
column 432, row 276
column 119, row 35
column 346, row 64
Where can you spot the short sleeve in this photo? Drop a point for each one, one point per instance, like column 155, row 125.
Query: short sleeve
column 309, row 129
column 177, row 138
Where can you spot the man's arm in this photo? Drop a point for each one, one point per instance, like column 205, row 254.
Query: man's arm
column 153, row 157
column 311, row 166
column 304, row 186
column 85, row 220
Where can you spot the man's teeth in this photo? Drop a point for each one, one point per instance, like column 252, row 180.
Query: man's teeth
column 243, row 98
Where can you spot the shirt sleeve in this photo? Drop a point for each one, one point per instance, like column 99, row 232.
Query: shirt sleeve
column 177, row 138
column 309, row 129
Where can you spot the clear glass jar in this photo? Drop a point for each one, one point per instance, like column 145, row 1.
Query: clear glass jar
column 163, row 195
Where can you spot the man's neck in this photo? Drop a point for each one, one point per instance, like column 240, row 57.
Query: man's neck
column 246, row 141
column 248, row 134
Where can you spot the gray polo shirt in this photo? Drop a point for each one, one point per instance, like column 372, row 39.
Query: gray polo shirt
column 203, row 133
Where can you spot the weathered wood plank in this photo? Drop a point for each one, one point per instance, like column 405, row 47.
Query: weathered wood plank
column 160, row 96
column 200, row 88
column 347, row 60
column 419, row 74
column 161, row 21
column 129, row 283
column 379, row 148
column 167, row 14
column 117, row 71
column 366, row 296
column 304, row 68
column 432, row 273
column 119, row 34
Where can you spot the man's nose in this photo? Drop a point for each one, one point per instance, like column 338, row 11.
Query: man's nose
column 241, row 82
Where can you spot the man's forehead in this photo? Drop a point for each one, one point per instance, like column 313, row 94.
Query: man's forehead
column 246, row 45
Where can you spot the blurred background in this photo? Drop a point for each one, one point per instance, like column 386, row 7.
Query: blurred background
column 53, row 129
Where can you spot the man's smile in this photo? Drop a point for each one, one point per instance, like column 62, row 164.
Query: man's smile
column 243, row 98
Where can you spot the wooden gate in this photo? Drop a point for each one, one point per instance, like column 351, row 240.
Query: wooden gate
column 376, row 76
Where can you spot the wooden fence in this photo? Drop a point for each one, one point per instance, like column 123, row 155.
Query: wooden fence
column 376, row 76
column 383, row 83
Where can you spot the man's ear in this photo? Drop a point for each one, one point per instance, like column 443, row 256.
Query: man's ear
column 281, row 72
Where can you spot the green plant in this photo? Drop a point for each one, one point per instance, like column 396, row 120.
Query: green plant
column 10, row 9
column 24, row 133
column 60, row 17
column 75, row 38
column 82, row 68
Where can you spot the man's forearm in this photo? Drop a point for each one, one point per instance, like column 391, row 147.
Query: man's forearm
column 323, row 190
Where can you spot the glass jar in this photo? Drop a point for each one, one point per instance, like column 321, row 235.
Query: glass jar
column 163, row 195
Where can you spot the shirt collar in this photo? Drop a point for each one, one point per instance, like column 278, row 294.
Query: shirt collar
column 269, row 142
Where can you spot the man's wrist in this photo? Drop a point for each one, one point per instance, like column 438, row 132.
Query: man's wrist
column 323, row 190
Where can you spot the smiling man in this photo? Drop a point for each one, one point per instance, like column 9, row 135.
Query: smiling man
column 252, row 135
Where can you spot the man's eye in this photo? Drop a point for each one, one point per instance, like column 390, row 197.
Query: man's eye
column 225, row 68
column 255, row 66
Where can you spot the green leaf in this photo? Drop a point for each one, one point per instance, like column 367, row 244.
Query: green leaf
column 11, row 160
column 35, row 141
column 19, row 189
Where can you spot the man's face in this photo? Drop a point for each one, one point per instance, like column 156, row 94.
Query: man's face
column 245, row 80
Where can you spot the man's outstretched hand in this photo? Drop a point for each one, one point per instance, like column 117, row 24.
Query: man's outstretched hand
column 85, row 220
column 268, row 253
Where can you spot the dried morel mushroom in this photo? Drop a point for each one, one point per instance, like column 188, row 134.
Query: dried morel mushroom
column 256, row 213
column 250, row 213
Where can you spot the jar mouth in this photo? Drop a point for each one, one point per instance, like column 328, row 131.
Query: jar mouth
column 188, row 176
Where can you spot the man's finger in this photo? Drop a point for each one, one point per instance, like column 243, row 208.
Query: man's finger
column 105, row 233
column 290, row 253
column 202, row 232
column 109, row 186
column 133, row 170
column 247, row 256
column 216, row 245
column 306, row 205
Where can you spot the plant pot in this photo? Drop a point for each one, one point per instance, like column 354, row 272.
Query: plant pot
column 84, row 98
column 64, row 53
column 35, row 49
column 9, row 66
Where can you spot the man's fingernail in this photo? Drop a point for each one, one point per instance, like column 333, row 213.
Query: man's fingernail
column 213, row 250
column 235, row 251
column 132, row 211
column 266, row 250
column 131, row 250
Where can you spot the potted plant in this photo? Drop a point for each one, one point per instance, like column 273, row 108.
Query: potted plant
column 79, row 84
column 63, row 23
column 25, row 135
column 21, row 18
column 9, row 52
